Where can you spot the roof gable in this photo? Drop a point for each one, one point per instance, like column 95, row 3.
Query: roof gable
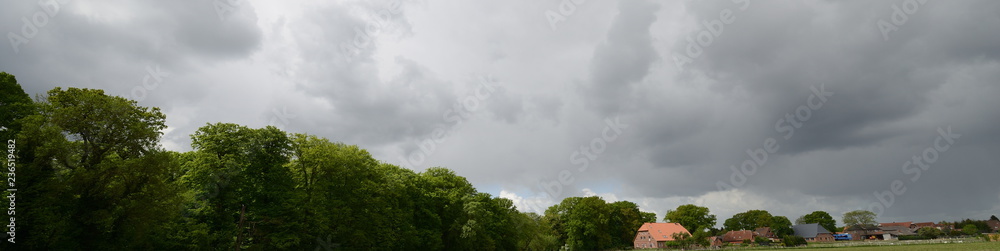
column 897, row 224
column 809, row 230
column 741, row 235
column 662, row 231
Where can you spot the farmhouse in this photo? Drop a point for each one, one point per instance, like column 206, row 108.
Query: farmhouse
column 994, row 225
column 813, row 232
column 655, row 235
column 920, row 225
column 736, row 237
column 907, row 224
column 715, row 241
column 766, row 233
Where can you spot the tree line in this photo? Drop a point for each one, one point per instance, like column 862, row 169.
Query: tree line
column 92, row 175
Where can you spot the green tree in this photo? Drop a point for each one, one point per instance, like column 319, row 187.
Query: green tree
column 102, row 181
column 760, row 240
column 793, row 241
column 749, row 220
column 241, row 175
column 860, row 219
column 682, row 240
column 994, row 218
column 690, row 216
column 347, row 198
column 624, row 223
column 929, row 232
column 447, row 193
column 980, row 224
column 648, row 217
column 534, row 234
column 15, row 104
column 970, row 229
column 700, row 237
column 781, row 226
column 582, row 222
column 822, row 218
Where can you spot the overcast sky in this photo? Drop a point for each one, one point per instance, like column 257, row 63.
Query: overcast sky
column 657, row 103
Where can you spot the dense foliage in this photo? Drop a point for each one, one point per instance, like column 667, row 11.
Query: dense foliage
column 691, row 217
column 823, row 218
column 792, row 241
column 91, row 175
column 860, row 219
column 753, row 219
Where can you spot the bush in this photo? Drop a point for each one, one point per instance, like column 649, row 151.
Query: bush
column 762, row 241
column 929, row 233
column 792, row 241
column 672, row 244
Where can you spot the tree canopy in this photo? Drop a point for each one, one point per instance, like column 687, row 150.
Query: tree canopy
column 690, row 216
column 822, row 218
column 860, row 219
column 749, row 220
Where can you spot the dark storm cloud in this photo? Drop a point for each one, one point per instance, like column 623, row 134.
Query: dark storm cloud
column 886, row 107
column 111, row 45
column 365, row 109
column 623, row 59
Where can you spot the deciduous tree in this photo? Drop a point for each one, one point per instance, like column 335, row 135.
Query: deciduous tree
column 822, row 218
column 860, row 219
column 690, row 216
column 749, row 220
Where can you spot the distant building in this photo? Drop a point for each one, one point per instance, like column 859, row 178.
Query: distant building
column 994, row 225
column 766, row 233
column 923, row 225
column 862, row 232
column 907, row 224
column 655, row 235
column 715, row 241
column 813, row 232
column 736, row 237
column 893, row 232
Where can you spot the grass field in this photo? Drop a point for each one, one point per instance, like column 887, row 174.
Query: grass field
column 918, row 247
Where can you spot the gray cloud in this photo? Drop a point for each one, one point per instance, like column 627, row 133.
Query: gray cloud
column 385, row 78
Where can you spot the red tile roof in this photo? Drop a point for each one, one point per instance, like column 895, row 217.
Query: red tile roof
column 924, row 224
column 765, row 232
column 897, row 224
column 663, row 231
column 993, row 224
column 737, row 236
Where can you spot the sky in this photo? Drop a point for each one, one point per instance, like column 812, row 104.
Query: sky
column 786, row 106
